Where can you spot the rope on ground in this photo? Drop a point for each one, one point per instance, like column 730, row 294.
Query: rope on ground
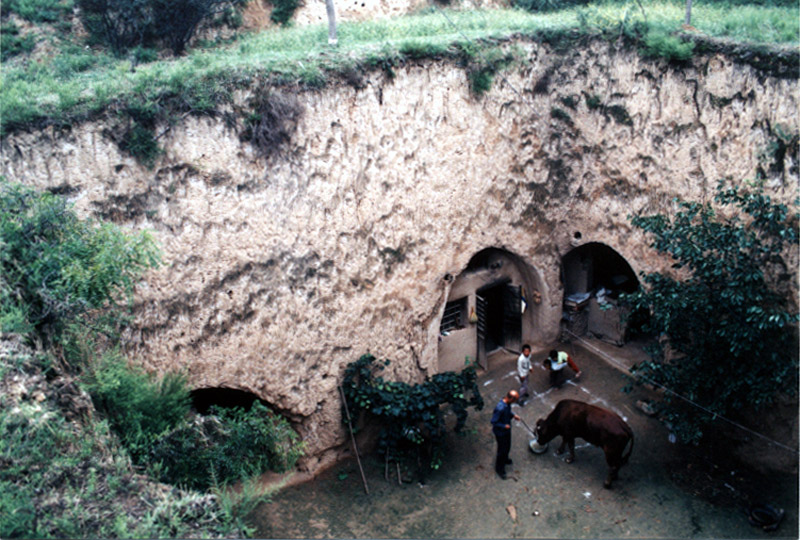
column 684, row 398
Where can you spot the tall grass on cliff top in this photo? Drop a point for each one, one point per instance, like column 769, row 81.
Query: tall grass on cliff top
column 76, row 82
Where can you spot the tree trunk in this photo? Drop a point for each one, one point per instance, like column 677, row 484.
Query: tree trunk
column 329, row 7
column 688, row 20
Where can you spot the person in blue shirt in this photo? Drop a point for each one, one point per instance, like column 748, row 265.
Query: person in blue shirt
column 501, row 427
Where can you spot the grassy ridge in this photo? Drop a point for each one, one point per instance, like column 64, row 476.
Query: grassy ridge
column 78, row 81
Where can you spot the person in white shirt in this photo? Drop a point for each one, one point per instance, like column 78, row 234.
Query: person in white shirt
column 524, row 368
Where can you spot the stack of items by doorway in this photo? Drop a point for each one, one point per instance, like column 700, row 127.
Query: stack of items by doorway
column 596, row 313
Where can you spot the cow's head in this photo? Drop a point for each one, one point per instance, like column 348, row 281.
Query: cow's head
column 542, row 432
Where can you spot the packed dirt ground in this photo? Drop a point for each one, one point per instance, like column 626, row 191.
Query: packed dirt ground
column 667, row 490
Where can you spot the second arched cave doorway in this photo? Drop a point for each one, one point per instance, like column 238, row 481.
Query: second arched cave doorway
column 594, row 276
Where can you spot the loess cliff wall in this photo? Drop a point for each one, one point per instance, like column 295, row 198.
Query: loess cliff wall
column 280, row 270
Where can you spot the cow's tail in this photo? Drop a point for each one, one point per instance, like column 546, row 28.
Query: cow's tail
column 629, row 445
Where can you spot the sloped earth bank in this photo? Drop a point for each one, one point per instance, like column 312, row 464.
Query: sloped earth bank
column 666, row 490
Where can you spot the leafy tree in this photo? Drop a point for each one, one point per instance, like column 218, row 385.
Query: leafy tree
column 120, row 24
column 176, row 21
column 730, row 335
column 410, row 414
column 57, row 269
column 124, row 24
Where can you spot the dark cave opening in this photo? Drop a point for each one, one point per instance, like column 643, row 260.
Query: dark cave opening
column 204, row 398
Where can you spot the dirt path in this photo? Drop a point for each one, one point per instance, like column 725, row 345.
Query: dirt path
column 660, row 494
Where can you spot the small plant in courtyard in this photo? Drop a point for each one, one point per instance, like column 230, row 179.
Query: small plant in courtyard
column 731, row 335
column 410, row 415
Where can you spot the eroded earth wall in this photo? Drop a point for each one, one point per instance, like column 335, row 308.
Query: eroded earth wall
column 279, row 271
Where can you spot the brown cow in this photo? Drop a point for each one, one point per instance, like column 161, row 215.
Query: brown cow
column 595, row 425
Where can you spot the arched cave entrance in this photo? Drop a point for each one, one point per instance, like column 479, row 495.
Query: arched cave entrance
column 594, row 275
column 492, row 305
column 204, row 398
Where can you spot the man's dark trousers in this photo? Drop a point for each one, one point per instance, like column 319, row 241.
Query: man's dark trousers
column 503, row 448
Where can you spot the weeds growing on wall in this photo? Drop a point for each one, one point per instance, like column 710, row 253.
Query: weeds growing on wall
column 60, row 270
column 271, row 121
column 409, row 414
column 482, row 64
column 140, row 142
column 780, row 154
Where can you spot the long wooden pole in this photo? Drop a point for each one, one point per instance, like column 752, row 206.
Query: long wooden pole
column 352, row 438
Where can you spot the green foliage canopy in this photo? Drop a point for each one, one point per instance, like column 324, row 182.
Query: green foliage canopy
column 731, row 337
column 406, row 412
column 57, row 269
column 125, row 24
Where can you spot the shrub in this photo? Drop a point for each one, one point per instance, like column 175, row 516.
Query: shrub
column 176, row 21
column 139, row 407
column 47, row 11
column 144, row 55
column 659, row 44
column 12, row 43
column 119, row 24
column 227, row 446
column 410, row 414
column 125, row 24
column 282, row 11
column 59, row 269
column 140, row 142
